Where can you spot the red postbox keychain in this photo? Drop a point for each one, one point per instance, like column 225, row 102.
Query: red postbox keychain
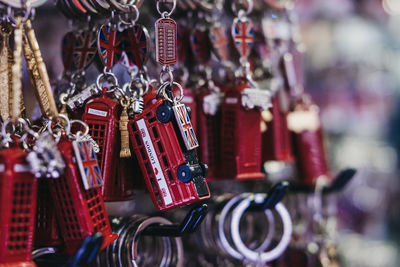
column 241, row 115
column 163, row 137
column 308, row 145
column 81, row 211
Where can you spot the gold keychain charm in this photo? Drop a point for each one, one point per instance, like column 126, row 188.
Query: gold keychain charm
column 16, row 91
column 39, row 74
column 123, row 128
column 6, row 62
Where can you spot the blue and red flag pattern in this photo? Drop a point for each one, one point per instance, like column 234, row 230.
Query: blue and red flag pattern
column 109, row 45
column 88, row 164
column 79, row 49
column 200, row 45
column 135, row 46
column 185, row 126
column 220, row 42
column 67, row 50
column 243, row 36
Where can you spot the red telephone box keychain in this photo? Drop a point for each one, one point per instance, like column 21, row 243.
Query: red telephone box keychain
column 18, row 192
column 241, row 115
column 81, row 211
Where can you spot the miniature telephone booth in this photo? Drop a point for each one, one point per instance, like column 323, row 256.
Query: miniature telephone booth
column 18, row 191
column 209, row 134
column 102, row 116
column 80, row 212
column 276, row 142
column 241, row 137
column 47, row 232
column 172, row 173
column 308, row 144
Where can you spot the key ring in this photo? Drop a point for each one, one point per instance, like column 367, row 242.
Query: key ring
column 66, row 127
column 254, row 255
column 109, row 77
column 236, row 253
column 177, row 98
column 166, row 14
column 79, row 134
column 134, row 12
column 237, row 11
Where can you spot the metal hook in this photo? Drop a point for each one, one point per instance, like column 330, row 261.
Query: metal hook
column 274, row 196
column 189, row 225
column 337, row 185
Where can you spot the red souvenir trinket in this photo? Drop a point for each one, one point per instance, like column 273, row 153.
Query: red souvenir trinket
column 18, row 191
column 241, row 140
column 276, row 142
column 47, row 232
column 308, row 145
column 80, row 212
column 209, row 132
column 102, row 116
column 172, row 173
column 166, row 43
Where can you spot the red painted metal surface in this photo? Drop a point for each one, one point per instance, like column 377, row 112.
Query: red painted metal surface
column 80, row 212
column 160, row 154
column 18, row 191
column 308, row 145
column 209, row 135
column 241, row 140
column 276, row 143
column 102, row 116
column 309, row 151
column 47, row 232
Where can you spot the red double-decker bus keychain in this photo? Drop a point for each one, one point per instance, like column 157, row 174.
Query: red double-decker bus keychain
column 163, row 137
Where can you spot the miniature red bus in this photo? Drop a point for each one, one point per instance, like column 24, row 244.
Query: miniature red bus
column 18, row 191
column 102, row 116
column 172, row 173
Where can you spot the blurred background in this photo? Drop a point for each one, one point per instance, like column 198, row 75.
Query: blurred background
column 352, row 63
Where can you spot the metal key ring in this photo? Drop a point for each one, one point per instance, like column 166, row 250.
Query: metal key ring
column 6, row 136
column 250, row 6
column 79, row 134
column 18, row 4
column 133, row 10
column 177, row 98
column 166, row 14
column 106, row 76
column 222, row 237
column 27, row 130
column 257, row 256
column 67, row 127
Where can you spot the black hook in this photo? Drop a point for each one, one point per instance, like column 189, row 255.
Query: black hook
column 274, row 196
column 88, row 250
column 189, row 225
column 338, row 184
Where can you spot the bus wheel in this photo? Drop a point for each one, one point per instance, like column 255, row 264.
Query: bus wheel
column 164, row 113
column 184, row 173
